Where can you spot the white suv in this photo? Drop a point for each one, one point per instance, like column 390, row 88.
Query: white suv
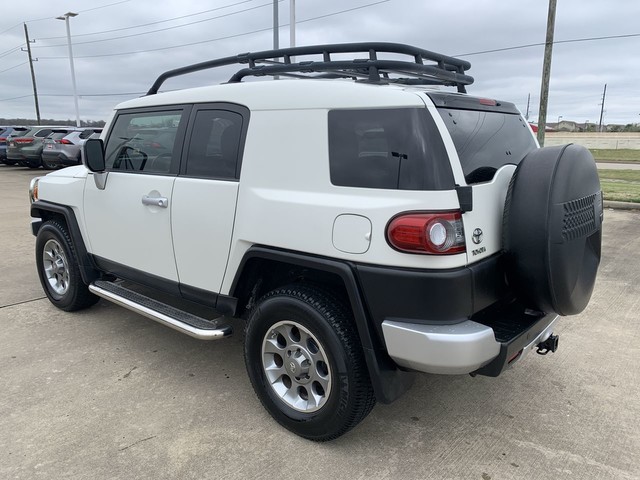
column 364, row 222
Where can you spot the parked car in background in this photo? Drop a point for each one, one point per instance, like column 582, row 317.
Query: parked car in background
column 5, row 133
column 26, row 149
column 62, row 149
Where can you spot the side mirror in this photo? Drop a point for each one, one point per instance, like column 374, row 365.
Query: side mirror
column 94, row 155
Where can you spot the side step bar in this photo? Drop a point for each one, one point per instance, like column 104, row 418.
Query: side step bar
column 184, row 322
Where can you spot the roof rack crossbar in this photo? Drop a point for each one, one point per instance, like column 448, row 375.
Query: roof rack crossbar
column 446, row 70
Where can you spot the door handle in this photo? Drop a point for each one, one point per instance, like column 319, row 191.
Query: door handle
column 162, row 202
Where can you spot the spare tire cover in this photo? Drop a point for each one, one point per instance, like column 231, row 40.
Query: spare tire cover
column 552, row 229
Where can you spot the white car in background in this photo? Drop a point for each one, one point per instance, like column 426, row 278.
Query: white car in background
column 63, row 149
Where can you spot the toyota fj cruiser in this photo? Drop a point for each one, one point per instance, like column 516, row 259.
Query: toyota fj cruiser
column 364, row 222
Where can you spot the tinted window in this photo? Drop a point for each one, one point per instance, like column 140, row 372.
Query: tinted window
column 143, row 142
column 485, row 141
column 390, row 148
column 86, row 134
column 214, row 144
column 18, row 132
column 43, row 133
column 57, row 135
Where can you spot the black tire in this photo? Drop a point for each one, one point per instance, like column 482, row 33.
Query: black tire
column 553, row 229
column 59, row 273
column 349, row 398
column 49, row 166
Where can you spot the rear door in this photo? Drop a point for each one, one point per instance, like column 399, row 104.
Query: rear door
column 490, row 138
column 129, row 221
column 205, row 194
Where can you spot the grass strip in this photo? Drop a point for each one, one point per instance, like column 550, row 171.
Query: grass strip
column 616, row 156
column 620, row 185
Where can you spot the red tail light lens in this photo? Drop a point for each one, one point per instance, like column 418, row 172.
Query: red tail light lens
column 427, row 233
column 3, row 139
column 23, row 140
column 64, row 141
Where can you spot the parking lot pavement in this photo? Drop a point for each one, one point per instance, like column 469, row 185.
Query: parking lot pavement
column 105, row 393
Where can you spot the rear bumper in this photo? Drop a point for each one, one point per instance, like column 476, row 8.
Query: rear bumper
column 59, row 158
column 466, row 347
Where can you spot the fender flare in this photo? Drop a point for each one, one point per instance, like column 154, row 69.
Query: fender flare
column 388, row 381
column 46, row 210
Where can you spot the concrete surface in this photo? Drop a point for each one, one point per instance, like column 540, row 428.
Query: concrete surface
column 107, row 394
column 617, row 166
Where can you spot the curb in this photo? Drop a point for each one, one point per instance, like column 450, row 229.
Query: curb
column 621, row 205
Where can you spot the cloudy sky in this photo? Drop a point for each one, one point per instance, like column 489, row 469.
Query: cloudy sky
column 120, row 47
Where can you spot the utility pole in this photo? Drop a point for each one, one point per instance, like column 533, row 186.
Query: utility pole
column 526, row 116
column 546, row 72
column 276, row 37
column 276, row 27
column 33, row 75
column 604, row 94
column 292, row 23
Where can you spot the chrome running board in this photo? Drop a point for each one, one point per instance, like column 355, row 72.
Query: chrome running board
column 192, row 325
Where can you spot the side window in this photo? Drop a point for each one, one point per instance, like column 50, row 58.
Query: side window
column 143, row 142
column 86, row 134
column 214, row 144
column 43, row 133
column 399, row 149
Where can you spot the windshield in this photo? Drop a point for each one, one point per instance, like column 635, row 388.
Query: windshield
column 485, row 141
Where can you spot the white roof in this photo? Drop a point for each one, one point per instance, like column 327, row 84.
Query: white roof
column 289, row 94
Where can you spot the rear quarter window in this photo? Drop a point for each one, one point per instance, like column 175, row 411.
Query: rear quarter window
column 399, row 149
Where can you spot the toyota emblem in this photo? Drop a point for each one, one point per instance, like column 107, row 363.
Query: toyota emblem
column 477, row 236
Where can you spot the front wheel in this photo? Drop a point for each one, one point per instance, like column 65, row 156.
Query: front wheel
column 306, row 364
column 58, row 269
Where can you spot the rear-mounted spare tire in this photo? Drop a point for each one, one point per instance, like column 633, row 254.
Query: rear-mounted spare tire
column 552, row 230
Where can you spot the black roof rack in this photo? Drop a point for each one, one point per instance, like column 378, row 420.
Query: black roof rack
column 442, row 70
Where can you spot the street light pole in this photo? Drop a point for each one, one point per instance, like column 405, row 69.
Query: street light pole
column 292, row 23
column 66, row 17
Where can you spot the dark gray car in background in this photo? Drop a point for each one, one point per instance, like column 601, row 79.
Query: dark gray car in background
column 26, row 149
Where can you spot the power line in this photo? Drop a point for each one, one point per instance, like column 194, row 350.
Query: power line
column 152, row 23
column 126, row 94
column 102, row 6
column 14, row 98
column 15, row 66
column 11, row 50
column 219, row 38
column 161, row 29
column 539, row 44
column 50, row 17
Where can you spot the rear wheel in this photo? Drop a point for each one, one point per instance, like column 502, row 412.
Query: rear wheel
column 306, row 364
column 58, row 269
column 48, row 165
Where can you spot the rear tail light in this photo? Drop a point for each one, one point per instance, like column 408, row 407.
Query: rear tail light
column 23, row 140
column 437, row 233
column 64, row 141
column 3, row 139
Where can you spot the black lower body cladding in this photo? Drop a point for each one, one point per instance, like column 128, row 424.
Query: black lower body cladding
column 553, row 229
